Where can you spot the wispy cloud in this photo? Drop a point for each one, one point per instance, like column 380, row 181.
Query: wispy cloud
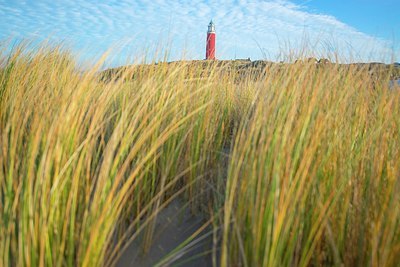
column 245, row 28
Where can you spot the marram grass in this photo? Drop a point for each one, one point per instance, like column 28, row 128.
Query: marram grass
column 298, row 166
column 83, row 161
column 315, row 172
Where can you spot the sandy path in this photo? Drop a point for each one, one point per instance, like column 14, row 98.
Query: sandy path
column 174, row 225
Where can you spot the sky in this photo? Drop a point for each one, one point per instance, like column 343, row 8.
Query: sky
column 355, row 30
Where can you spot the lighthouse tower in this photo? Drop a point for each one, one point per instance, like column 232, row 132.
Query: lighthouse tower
column 210, row 46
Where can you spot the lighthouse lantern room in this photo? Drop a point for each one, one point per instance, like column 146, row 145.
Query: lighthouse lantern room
column 210, row 46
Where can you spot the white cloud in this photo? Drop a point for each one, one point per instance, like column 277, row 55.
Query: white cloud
column 245, row 28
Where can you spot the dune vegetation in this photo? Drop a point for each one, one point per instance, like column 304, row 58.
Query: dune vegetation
column 294, row 165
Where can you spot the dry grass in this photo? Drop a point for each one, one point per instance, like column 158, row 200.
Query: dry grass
column 86, row 165
column 315, row 172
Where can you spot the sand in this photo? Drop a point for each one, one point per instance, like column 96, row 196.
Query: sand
column 174, row 225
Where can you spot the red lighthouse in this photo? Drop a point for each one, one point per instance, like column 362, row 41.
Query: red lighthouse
column 210, row 47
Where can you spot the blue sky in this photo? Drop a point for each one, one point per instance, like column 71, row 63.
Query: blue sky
column 359, row 30
column 378, row 18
